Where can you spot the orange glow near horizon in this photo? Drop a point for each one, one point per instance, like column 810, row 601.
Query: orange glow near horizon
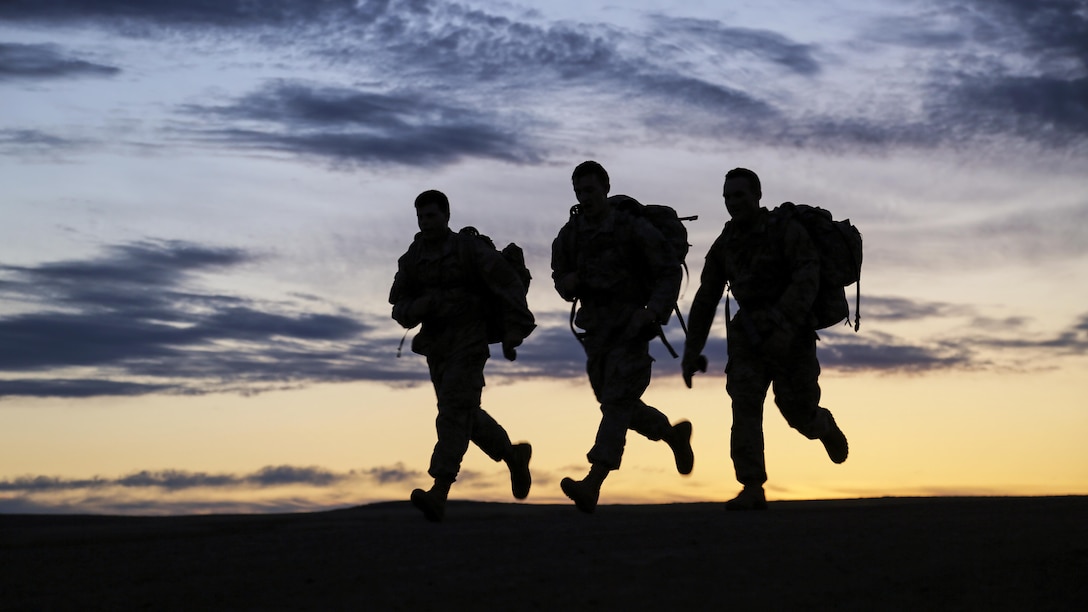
column 939, row 434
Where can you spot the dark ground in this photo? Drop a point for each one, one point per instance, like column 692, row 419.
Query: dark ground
column 877, row 554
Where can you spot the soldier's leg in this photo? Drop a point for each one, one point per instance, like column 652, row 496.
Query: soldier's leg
column 645, row 419
column 797, row 389
column 747, row 381
column 458, row 384
column 495, row 442
column 611, row 433
column 797, row 393
column 490, row 436
column 633, row 367
column 486, row 433
column 621, row 374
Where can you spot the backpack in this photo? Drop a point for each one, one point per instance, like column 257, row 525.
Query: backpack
column 671, row 226
column 839, row 246
column 663, row 218
column 514, row 256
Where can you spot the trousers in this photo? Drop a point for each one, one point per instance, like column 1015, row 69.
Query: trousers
column 619, row 372
column 458, row 384
column 795, row 381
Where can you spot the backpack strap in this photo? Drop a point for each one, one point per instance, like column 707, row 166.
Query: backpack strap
column 579, row 335
column 400, row 347
column 665, row 341
column 857, row 306
column 575, row 211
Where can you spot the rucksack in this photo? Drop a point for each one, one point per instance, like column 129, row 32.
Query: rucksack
column 493, row 314
column 663, row 218
column 670, row 225
column 514, row 256
column 839, row 246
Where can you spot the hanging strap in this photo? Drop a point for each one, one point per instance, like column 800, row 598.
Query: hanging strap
column 857, row 306
column 580, row 335
column 728, row 314
column 401, row 345
column 665, row 341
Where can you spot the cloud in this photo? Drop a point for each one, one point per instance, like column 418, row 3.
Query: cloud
column 456, row 81
column 1054, row 28
column 1072, row 341
column 133, row 321
column 959, row 337
column 1048, row 232
column 135, row 316
column 439, row 82
column 277, row 488
column 32, row 143
column 45, row 61
column 363, row 127
column 81, row 388
column 1048, row 108
column 169, row 13
column 886, row 308
column 884, row 353
column 176, row 480
column 1020, row 70
column 724, row 41
column 969, row 340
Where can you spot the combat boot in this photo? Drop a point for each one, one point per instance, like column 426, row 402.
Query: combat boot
column 432, row 503
column 749, row 498
column 679, row 440
column 518, row 462
column 835, row 443
column 583, row 493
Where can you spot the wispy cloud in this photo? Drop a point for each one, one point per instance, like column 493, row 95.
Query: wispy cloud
column 46, row 61
column 718, row 39
column 1047, row 233
column 277, row 488
column 428, row 84
column 1021, row 70
column 133, row 321
column 364, row 127
column 270, row 476
column 34, row 143
column 135, row 316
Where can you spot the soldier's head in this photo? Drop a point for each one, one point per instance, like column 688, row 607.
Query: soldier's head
column 741, row 193
column 432, row 213
column 590, row 181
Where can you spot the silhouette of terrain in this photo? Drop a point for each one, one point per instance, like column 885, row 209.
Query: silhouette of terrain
column 893, row 553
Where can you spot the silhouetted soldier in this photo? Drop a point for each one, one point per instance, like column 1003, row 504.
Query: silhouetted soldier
column 773, row 271
column 626, row 278
column 443, row 281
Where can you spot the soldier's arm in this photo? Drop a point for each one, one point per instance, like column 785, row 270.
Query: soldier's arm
column 409, row 308
column 564, row 270
column 705, row 304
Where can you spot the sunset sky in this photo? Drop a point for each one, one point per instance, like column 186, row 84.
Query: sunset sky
column 203, row 203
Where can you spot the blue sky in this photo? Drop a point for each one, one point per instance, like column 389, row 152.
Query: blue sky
column 208, row 198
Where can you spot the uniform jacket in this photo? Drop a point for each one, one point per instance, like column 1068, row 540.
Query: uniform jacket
column 773, row 271
column 622, row 265
column 460, row 276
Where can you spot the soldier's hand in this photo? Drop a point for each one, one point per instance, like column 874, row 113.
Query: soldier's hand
column 509, row 348
column 421, row 306
column 690, row 365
